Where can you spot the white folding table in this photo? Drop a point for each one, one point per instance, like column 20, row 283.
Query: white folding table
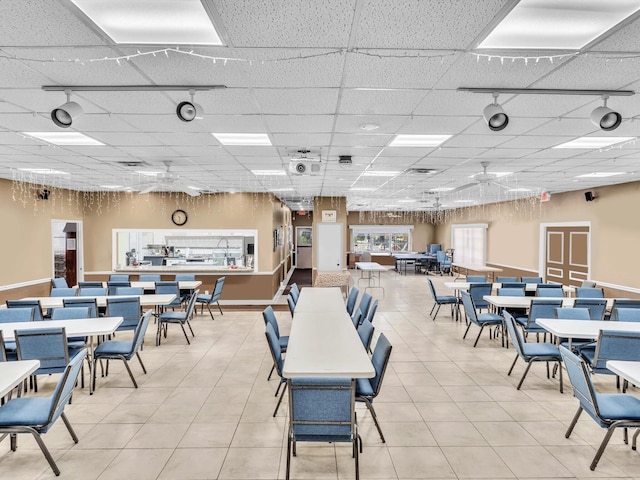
column 583, row 329
column 628, row 370
column 474, row 268
column 13, row 373
column 148, row 300
column 370, row 268
column 320, row 299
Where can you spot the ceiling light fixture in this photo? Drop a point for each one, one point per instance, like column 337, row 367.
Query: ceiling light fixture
column 65, row 114
column 189, row 111
column 494, row 115
column 406, row 140
column 593, row 142
column 369, row 126
column 605, row 118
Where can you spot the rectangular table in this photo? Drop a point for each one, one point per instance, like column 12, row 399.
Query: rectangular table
column 148, row 300
column 584, row 329
column 507, row 301
column 628, row 370
column 370, row 268
column 529, row 287
column 404, row 258
column 149, row 286
column 475, row 268
column 323, row 341
column 13, row 373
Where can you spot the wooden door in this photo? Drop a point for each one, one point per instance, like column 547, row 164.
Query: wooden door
column 567, row 254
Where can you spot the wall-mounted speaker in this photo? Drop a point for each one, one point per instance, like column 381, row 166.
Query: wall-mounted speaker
column 588, row 196
column 44, row 194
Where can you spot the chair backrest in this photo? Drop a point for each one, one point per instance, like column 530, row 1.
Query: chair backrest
column 503, row 279
column 432, row 289
column 588, row 284
column 365, row 257
column 91, row 284
column 549, row 290
column 71, row 313
column 92, row 303
column 129, row 291
column 274, row 348
column 3, row 351
column 191, row 305
column 59, row 283
column 583, row 292
column 295, row 292
column 372, row 311
column 294, row 288
column 217, row 289
column 141, row 329
column 62, row 394
column 434, row 248
column 511, row 292
column 514, row 333
column 365, row 332
column 581, row 382
column 469, row 307
column 596, row 306
column 49, row 345
column 356, row 317
column 163, row 288
column 572, row 313
column 149, row 278
column 126, row 307
column 514, row 285
column 542, row 308
column 92, row 292
column 292, row 304
column 617, row 303
column 119, row 278
column 615, row 345
column 269, row 317
column 33, row 304
column 380, row 360
column 185, row 277
column 478, row 291
column 441, row 257
column 63, row 292
column 476, row 278
column 351, row 299
column 16, row 315
column 627, row 314
column 531, row 279
column 365, row 303
column 112, row 287
column 322, row 409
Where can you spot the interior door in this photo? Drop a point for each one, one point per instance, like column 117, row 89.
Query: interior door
column 304, row 247
column 328, row 245
column 567, row 254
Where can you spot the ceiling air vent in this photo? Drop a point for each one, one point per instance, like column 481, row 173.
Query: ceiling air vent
column 422, row 171
column 344, row 160
column 133, row 163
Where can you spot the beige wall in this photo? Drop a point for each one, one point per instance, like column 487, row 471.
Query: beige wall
column 514, row 230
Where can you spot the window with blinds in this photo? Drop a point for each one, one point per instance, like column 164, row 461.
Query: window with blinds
column 469, row 243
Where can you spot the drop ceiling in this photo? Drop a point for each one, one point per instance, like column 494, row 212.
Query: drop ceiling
column 312, row 75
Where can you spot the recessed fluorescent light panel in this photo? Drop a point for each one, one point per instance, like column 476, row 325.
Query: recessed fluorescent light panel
column 281, row 189
column 380, row 173
column 43, row 171
column 557, row 24
column 441, row 189
column 268, row 172
column 600, row 174
column 518, row 190
column 407, row 200
column 594, row 142
column 64, row 138
column 152, row 21
column 362, row 189
column 111, row 186
column 251, row 139
column 419, row 140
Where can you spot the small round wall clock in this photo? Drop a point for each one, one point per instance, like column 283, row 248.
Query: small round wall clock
column 179, row 217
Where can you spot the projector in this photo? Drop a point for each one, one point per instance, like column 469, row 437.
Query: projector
column 304, row 166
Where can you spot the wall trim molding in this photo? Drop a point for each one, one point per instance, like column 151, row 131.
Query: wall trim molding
column 30, row 283
column 513, row 267
column 624, row 288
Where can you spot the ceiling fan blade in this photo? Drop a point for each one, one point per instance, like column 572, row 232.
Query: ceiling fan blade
column 149, row 188
column 190, row 191
column 461, row 188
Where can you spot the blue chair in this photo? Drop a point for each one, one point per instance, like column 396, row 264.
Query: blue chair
column 573, row 313
column 530, row 352
column 539, row 308
column 476, row 278
column 518, row 291
column 356, row 318
column 113, row 286
column 503, row 279
column 368, row 388
column 123, row 278
column 440, row 300
column 549, row 290
column 365, row 332
column 126, row 307
column 8, row 315
column 292, row 304
column 611, row 345
column 521, row 285
column 59, row 283
column 531, row 279
column 584, row 292
column 269, row 316
column 276, row 355
column 372, row 311
column 322, row 410
column 627, row 314
column 295, row 292
column 610, row 411
column 477, row 292
column 617, row 303
column 33, row 304
column 63, row 292
column 181, row 318
column 597, row 306
column 89, row 302
column 73, row 313
column 123, row 350
column 480, row 319
column 204, row 299
column 351, row 299
column 92, row 292
column 36, row 415
column 170, row 288
column 365, row 303
column 129, row 291
column 149, row 278
column 3, row 358
column 90, row 284
column 185, row 277
column 444, row 262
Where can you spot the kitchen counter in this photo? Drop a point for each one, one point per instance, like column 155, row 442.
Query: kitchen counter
column 191, row 267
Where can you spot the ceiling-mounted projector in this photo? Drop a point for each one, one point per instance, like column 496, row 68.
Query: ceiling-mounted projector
column 301, row 166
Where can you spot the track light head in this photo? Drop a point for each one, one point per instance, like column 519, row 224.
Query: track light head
column 188, row 111
column 64, row 115
column 605, row 118
column 494, row 116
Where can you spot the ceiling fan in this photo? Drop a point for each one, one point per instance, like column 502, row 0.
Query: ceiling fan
column 484, row 178
column 168, row 181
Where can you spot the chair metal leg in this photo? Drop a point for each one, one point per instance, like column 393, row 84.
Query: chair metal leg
column 513, row 365
column 69, row 427
column 126, row 364
column 573, row 423
column 280, row 399
column 437, row 310
column 288, row 456
column 45, row 451
column 185, row 333
column 603, row 445
column 635, row 437
column 210, row 312
column 191, row 329
column 141, row 364
column 478, row 337
column 369, row 405
column 466, row 331
column 219, row 308
column 526, row 370
column 273, row 367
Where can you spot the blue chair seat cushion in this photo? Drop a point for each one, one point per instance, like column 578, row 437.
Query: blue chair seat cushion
column 75, row 345
column 540, row 350
column 489, row 318
column 364, row 388
column 113, row 347
column 129, row 325
column 173, row 317
column 25, row 411
column 617, row 406
column 203, row 298
column 446, row 299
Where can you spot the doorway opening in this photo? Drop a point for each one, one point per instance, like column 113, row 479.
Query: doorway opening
column 66, row 242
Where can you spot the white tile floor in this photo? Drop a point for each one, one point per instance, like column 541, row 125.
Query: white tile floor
column 447, row 410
